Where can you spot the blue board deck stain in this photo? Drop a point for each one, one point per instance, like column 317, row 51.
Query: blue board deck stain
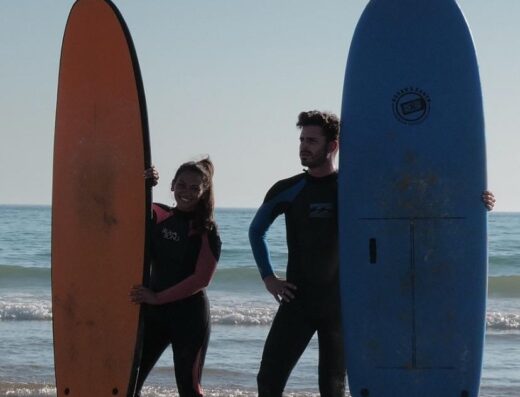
column 413, row 254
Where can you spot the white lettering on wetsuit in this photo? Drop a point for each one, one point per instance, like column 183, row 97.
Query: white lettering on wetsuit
column 170, row 235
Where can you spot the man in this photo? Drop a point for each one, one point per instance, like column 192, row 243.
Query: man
column 309, row 298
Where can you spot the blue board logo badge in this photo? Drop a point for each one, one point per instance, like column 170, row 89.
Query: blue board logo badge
column 411, row 105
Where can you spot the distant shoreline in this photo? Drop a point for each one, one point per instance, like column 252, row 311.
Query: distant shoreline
column 217, row 208
column 49, row 206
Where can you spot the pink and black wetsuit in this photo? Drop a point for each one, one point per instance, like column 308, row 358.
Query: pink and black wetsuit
column 183, row 263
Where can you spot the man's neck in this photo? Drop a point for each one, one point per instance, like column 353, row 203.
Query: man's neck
column 322, row 170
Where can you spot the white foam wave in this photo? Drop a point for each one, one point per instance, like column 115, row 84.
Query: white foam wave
column 27, row 390
column 25, row 311
column 242, row 315
column 503, row 321
column 245, row 315
column 150, row 391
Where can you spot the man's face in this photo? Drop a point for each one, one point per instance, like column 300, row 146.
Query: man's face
column 313, row 146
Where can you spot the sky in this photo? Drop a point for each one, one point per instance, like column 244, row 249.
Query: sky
column 228, row 78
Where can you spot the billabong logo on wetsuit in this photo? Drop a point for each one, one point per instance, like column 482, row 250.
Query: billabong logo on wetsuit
column 170, row 235
column 321, row 210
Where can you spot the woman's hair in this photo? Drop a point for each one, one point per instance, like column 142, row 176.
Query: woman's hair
column 204, row 212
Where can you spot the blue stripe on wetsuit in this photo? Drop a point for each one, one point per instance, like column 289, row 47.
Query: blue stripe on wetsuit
column 263, row 219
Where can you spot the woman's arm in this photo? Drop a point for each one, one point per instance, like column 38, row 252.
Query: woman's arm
column 200, row 279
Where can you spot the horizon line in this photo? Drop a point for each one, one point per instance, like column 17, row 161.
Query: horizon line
column 224, row 207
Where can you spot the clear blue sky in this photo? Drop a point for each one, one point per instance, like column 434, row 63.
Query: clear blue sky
column 228, row 78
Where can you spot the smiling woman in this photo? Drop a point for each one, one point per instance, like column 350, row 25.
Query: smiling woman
column 185, row 249
column 187, row 190
column 192, row 187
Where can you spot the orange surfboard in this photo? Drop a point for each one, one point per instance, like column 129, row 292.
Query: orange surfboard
column 100, row 205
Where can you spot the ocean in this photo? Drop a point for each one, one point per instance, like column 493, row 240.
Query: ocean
column 241, row 311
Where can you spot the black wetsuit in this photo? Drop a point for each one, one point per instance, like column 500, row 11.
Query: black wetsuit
column 310, row 208
column 183, row 262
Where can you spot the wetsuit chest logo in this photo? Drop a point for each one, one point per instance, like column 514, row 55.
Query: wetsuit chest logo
column 170, row 235
column 321, row 210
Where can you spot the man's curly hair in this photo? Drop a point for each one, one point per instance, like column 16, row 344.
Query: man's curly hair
column 328, row 121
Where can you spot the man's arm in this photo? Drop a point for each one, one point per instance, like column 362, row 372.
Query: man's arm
column 280, row 289
column 257, row 237
column 276, row 202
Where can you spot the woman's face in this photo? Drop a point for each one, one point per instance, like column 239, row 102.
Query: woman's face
column 187, row 190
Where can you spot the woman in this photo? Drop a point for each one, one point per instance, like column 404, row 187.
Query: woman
column 185, row 249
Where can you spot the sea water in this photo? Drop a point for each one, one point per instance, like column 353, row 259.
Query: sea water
column 241, row 311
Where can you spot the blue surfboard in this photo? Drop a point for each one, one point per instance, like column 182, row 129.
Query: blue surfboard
column 413, row 253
